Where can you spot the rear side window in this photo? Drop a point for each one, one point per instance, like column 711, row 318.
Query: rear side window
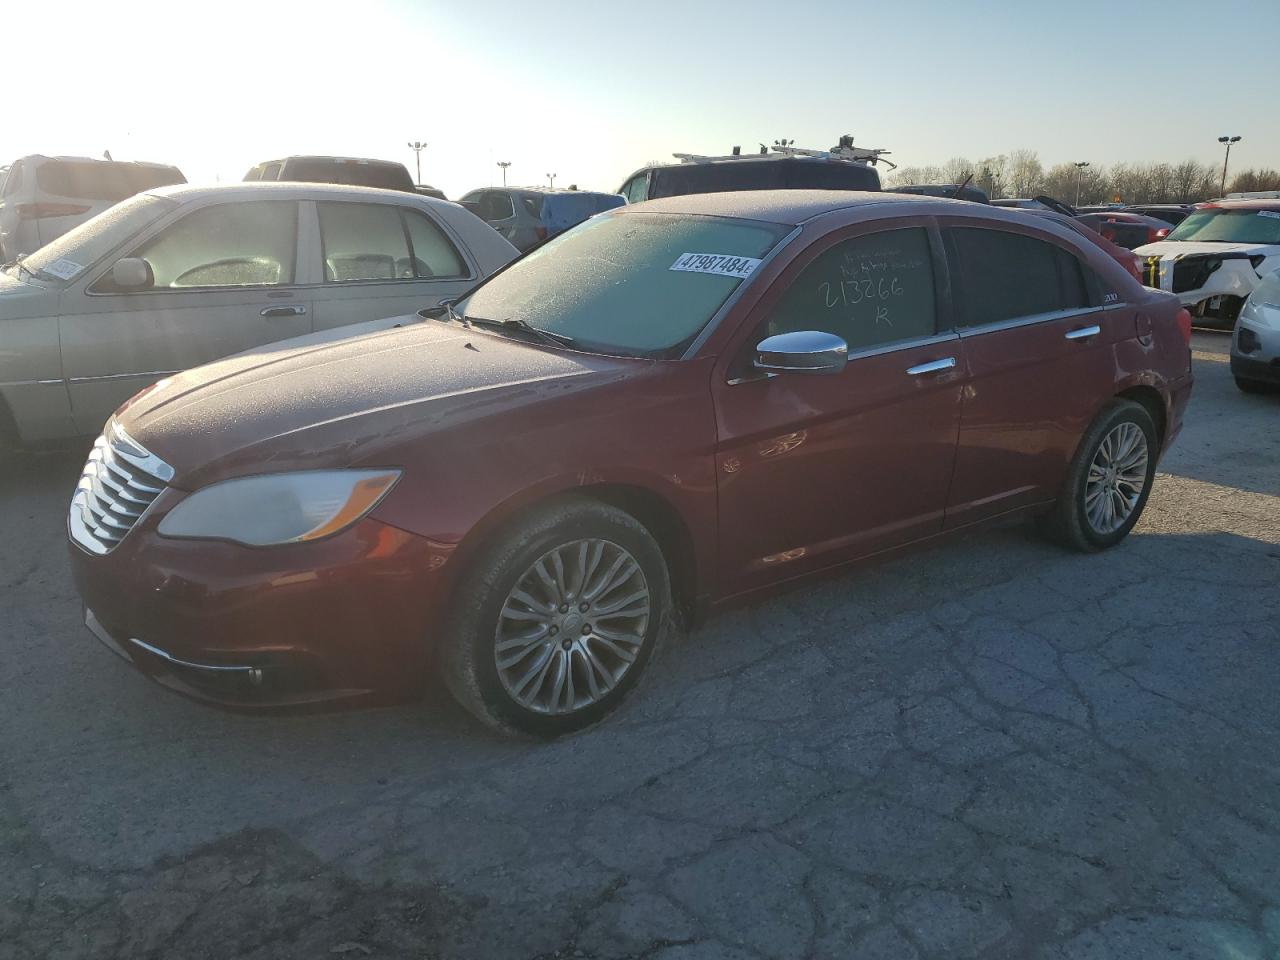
column 366, row 241
column 636, row 188
column 1001, row 276
column 532, row 205
column 386, row 176
column 495, row 205
column 869, row 291
column 102, row 180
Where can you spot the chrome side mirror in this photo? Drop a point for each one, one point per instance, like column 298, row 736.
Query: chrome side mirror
column 802, row 351
column 132, row 273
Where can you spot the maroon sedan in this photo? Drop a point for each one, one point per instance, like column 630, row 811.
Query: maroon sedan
column 671, row 407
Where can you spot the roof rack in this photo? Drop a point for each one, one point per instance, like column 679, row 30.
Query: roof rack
column 844, row 150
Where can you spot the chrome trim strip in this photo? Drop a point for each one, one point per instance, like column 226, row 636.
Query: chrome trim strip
column 899, row 345
column 118, row 376
column 140, row 456
column 254, row 673
column 1016, row 322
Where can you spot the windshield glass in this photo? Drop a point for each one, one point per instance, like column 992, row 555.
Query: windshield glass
column 1230, row 226
column 635, row 285
column 77, row 250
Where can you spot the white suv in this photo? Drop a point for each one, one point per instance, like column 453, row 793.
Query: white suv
column 1216, row 257
column 44, row 197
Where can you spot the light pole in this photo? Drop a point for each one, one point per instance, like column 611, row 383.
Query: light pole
column 1228, row 141
column 551, row 177
column 417, row 147
column 1079, row 170
column 504, row 164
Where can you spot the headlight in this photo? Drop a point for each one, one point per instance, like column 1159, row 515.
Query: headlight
column 279, row 508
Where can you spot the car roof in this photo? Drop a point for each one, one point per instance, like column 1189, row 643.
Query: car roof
column 132, row 163
column 283, row 189
column 316, row 156
column 790, row 207
column 1254, row 204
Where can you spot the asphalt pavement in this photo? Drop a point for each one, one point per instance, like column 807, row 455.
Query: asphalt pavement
column 993, row 749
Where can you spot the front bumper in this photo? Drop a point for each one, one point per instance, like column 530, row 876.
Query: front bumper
column 347, row 618
column 1255, row 352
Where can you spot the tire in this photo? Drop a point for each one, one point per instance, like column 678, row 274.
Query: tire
column 1079, row 519
column 494, row 639
column 1254, row 386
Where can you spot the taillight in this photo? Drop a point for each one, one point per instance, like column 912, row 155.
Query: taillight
column 38, row 211
column 1154, row 235
column 1184, row 324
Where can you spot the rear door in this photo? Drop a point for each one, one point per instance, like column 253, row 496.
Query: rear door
column 1038, row 343
column 224, row 282
column 382, row 260
column 817, row 469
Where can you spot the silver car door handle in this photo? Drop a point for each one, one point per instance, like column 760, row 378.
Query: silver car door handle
column 933, row 366
column 285, row 310
column 1083, row 333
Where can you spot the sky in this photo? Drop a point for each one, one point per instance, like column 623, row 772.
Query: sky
column 591, row 91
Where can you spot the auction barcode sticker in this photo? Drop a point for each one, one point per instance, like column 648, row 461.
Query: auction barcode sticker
column 64, row 269
column 717, row 263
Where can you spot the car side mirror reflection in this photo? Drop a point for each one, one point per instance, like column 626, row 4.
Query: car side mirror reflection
column 132, row 273
column 802, row 351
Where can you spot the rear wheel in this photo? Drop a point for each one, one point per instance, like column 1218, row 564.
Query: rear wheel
column 1108, row 481
column 558, row 620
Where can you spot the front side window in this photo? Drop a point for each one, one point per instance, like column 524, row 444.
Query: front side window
column 1000, row 276
column 1230, row 226
column 80, row 248
column 869, row 290
column 368, row 241
column 229, row 245
column 633, row 285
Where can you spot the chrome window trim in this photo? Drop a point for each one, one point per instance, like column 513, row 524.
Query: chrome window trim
column 119, row 376
column 1013, row 324
column 714, row 323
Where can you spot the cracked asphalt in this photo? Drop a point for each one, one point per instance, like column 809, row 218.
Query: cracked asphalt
column 993, row 749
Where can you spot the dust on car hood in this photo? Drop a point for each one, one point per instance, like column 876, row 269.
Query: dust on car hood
column 285, row 403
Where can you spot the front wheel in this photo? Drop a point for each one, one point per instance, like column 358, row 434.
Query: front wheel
column 1108, row 481
column 557, row 619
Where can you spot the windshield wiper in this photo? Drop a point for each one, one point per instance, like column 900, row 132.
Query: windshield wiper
column 23, row 268
column 519, row 323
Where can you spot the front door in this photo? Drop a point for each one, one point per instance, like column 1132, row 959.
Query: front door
column 383, row 260
column 817, row 469
column 223, row 282
column 1038, row 347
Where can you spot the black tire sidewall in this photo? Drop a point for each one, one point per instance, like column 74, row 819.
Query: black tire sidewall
column 1121, row 412
column 502, row 566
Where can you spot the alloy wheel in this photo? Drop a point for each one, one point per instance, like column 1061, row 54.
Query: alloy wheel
column 572, row 626
column 1117, row 477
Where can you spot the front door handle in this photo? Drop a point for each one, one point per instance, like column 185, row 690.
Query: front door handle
column 285, row 310
column 933, row 366
column 1083, row 333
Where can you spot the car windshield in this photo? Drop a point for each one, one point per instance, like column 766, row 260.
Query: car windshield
column 1230, row 226
column 77, row 250
column 635, row 285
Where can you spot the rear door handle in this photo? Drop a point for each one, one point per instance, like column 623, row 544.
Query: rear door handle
column 285, row 310
column 1083, row 333
column 933, row 366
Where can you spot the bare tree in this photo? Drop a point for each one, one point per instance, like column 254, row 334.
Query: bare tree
column 992, row 174
column 1249, row 181
column 1026, row 176
column 956, row 170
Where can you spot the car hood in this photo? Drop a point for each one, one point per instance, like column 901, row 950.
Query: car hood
column 20, row 300
column 1177, row 248
column 311, row 406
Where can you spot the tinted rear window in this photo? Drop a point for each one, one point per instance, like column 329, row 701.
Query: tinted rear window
column 688, row 178
column 387, row 176
column 1046, row 279
column 101, row 179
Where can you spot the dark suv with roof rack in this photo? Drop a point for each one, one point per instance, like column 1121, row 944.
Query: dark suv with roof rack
column 843, row 167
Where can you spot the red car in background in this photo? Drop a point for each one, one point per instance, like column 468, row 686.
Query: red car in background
column 671, row 407
column 1127, row 230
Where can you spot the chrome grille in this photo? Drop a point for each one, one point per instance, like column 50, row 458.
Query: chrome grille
column 120, row 481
